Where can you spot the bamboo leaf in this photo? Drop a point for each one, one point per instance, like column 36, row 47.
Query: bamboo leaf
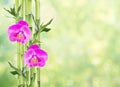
column 37, row 22
column 16, row 69
column 47, row 23
column 14, row 72
column 11, row 11
column 12, row 66
column 43, row 27
column 18, row 10
column 46, row 29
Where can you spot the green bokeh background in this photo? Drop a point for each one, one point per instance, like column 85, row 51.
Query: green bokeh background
column 83, row 45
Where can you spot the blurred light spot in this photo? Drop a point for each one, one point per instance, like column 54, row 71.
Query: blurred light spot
column 96, row 61
column 70, row 83
column 107, row 67
column 2, row 69
column 59, row 61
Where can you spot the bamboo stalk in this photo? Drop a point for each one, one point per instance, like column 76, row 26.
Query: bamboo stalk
column 26, row 10
column 16, row 5
column 30, row 24
column 21, row 3
column 21, row 10
column 37, row 17
column 18, row 61
column 28, row 17
column 22, row 51
column 38, row 77
column 18, row 44
column 29, row 13
column 37, row 9
column 16, row 8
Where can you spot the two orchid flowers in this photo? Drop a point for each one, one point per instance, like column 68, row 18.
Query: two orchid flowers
column 21, row 33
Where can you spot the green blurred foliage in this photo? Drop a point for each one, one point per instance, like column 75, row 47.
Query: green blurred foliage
column 83, row 44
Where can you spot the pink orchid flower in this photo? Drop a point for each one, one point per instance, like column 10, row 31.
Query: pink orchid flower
column 19, row 32
column 35, row 56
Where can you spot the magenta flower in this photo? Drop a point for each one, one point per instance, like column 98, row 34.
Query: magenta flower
column 19, row 32
column 35, row 56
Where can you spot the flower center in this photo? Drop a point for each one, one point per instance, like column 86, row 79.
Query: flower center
column 20, row 36
column 34, row 60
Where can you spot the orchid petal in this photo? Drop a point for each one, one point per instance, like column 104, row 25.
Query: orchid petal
column 22, row 22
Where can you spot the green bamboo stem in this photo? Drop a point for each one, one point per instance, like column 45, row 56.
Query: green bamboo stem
column 28, row 17
column 16, row 8
column 16, row 5
column 18, row 44
column 22, row 16
column 37, row 9
column 29, row 13
column 21, row 3
column 18, row 61
column 22, row 7
column 22, row 51
column 26, row 10
column 37, row 17
column 38, row 77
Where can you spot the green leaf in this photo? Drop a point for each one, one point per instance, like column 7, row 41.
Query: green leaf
column 43, row 27
column 46, row 29
column 33, row 18
column 11, row 11
column 18, row 10
column 12, row 66
column 16, row 69
column 14, row 72
column 37, row 23
column 47, row 23
column 40, row 27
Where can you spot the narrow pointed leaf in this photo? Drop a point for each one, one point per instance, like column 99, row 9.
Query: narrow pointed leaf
column 12, row 66
column 16, row 69
column 47, row 23
column 11, row 11
column 18, row 10
column 14, row 72
column 46, row 30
